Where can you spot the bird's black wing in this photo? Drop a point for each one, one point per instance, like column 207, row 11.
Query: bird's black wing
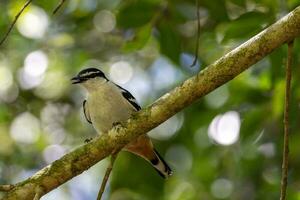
column 86, row 112
column 128, row 96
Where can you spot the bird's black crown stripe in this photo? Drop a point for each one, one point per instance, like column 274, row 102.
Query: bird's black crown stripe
column 91, row 73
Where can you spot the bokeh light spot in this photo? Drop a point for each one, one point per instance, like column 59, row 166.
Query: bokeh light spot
column 53, row 152
column 164, row 73
column 224, row 129
column 186, row 60
column 105, row 21
column 36, row 63
column 9, row 91
column 33, row 23
column 139, row 86
column 7, row 145
column 121, row 72
column 267, row 149
column 221, row 188
column 179, row 157
column 10, row 95
column 6, row 78
column 53, row 85
column 53, row 117
column 167, row 129
column 183, row 190
column 25, row 128
column 35, row 66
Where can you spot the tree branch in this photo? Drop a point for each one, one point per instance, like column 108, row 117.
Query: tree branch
column 285, row 161
column 215, row 75
column 39, row 191
column 198, row 35
column 107, row 173
column 14, row 22
column 58, row 6
column 6, row 188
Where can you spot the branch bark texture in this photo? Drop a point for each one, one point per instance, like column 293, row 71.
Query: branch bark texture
column 215, row 75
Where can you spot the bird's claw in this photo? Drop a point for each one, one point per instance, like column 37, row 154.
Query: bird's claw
column 87, row 140
column 116, row 124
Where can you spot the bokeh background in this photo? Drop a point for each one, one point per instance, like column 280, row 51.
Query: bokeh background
column 227, row 145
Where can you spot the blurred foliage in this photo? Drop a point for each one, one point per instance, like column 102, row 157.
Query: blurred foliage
column 147, row 47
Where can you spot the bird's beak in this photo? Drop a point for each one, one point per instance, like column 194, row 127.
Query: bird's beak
column 76, row 80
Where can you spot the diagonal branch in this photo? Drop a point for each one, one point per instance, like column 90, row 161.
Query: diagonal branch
column 58, row 6
column 39, row 191
column 215, row 75
column 6, row 188
column 14, row 22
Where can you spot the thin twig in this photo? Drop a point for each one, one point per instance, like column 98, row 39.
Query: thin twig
column 107, row 173
column 198, row 35
column 285, row 160
column 14, row 22
column 58, row 6
column 39, row 191
column 6, row 188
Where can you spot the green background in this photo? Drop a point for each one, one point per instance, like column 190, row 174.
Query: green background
column 147, row 46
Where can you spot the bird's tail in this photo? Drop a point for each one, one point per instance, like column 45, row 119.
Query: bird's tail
column 160, row 165
column 143, row 147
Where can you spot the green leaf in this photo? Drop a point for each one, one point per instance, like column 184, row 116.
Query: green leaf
column 169, row 41
column 276, row 59
column 278, row 99
column 136, row 13
column 245, row 26
column 142, row 36
column 239, row 2
column 217, row 9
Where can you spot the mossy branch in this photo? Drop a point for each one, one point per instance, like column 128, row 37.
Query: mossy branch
column 215, row 75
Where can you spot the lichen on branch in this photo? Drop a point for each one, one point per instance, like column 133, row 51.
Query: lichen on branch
column 215, row 75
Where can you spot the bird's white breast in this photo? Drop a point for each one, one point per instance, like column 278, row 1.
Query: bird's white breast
column 106, row 106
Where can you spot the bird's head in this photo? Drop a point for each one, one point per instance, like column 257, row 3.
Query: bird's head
column 89, row 77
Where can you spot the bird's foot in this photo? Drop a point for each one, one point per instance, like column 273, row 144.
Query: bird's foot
column 87, row 140
column 117, row 124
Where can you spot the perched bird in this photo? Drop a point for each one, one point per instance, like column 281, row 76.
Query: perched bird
column 107, row 104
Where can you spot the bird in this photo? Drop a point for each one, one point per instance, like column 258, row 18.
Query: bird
column 108, row 104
